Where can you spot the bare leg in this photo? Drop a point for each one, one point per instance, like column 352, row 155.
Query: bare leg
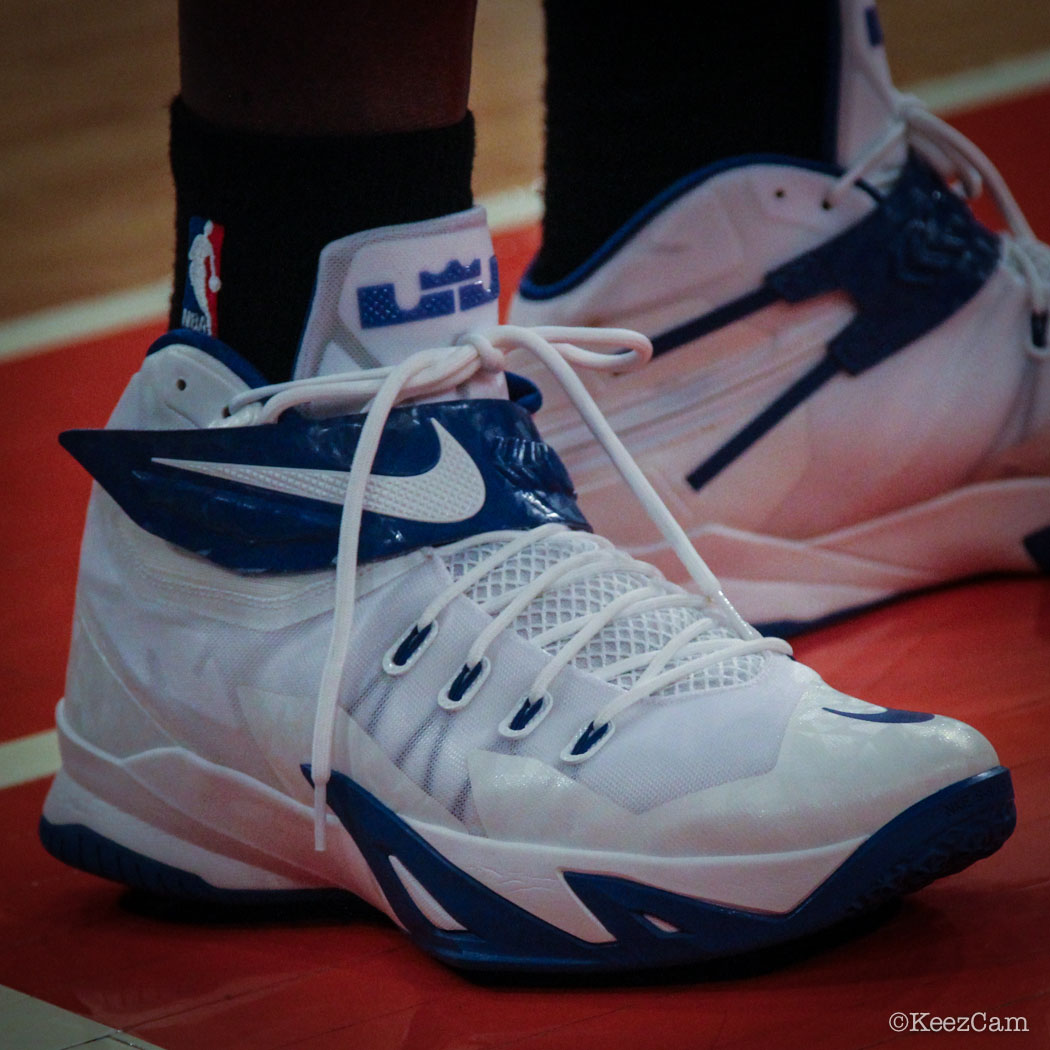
column 327, row 67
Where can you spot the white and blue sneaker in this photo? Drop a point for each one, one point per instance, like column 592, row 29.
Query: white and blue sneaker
column 850, row 397
column 352, row 632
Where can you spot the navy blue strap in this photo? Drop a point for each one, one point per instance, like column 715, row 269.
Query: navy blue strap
column 907, row 266
column 253, row 528
column 768, row 418
column 711, row 322
column 1038, row 546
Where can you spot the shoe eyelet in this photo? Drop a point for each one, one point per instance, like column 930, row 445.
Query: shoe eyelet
column 525, row 717
column 460, row 691
column 407, row 650
column 1037, row 343
column 589, row 740
column 180, row 384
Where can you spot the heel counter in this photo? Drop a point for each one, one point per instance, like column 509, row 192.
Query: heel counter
column 98, row 704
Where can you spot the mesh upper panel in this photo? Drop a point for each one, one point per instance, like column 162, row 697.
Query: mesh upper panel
column 627, row 636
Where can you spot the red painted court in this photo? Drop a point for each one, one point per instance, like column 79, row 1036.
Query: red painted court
column 976, row 944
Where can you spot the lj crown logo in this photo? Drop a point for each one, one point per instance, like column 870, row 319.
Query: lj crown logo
column 458, row 286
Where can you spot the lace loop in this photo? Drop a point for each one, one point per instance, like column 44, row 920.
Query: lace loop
column 525, row 717
column 591, row 737
column 407, row 650
column 492, row 357
column 1037, row 345
column 459, row 692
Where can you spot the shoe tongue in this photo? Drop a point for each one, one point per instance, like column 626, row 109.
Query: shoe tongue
column 865, row 88
column 383, row 294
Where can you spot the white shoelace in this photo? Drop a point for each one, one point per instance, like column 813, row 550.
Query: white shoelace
column 957, row 159
column 718, row 633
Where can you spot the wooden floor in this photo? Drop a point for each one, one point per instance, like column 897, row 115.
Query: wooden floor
column 86, row 211
column 85, row 195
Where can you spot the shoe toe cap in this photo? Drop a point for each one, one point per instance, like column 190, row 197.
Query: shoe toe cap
column 847, row 767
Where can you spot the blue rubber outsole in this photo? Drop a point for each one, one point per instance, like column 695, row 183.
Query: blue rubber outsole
column 937, row 836
column 83, row 848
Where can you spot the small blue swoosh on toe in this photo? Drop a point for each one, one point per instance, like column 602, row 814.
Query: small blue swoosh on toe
column 889, row 715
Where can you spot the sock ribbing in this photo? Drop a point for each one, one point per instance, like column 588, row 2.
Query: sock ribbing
column 280, row 199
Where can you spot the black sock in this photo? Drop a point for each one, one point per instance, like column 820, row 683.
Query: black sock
column 635, row 102
column 274, row 202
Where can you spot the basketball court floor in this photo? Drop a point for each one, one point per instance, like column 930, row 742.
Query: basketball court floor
column 84, row 963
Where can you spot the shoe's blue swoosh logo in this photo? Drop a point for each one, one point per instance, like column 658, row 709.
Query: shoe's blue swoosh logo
column 888, row 715
column 452, row 490
column 269, row 498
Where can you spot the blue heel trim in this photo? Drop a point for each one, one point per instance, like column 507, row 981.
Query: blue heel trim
column 937, row 836
column 1038, row 546
column 81, row 847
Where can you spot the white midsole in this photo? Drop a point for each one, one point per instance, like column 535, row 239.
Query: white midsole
column 238, row 833
column 973, row 530
column 231, row 830
column 530, row 875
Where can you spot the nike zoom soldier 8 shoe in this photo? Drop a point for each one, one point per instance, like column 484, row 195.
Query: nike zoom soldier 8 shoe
column 353, row 632
column 850, row 397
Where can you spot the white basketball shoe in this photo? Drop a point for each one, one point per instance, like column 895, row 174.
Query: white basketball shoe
column 352, row 632
column 850, row 398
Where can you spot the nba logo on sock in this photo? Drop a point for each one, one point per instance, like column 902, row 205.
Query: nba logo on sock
column 201, row 294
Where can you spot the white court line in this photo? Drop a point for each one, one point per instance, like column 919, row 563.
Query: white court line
column 46, row 329
column 512, row 208
column 84, row 319
column 27, row 1023
column 37, row 756
column 29, row 758
column 88, row 318
column 1000, row 80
